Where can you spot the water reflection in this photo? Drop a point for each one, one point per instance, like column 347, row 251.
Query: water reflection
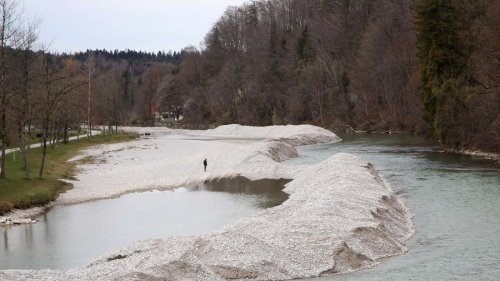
column 69, row 236
column 270, row 191
column 5, row 239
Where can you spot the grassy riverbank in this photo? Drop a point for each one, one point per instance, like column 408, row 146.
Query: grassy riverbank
column 16, row 191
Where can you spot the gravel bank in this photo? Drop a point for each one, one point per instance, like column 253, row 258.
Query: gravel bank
column 345, row 218
column 171, row 158
column 341, row 215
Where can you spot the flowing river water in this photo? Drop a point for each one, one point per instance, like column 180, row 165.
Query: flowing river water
column 455, row 200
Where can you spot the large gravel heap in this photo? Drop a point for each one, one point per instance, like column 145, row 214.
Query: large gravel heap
column 171, row 158
column 341, row 216
column 292, row 134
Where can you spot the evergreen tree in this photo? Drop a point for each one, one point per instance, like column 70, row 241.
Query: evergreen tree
column 305, row 51
column 442, row 63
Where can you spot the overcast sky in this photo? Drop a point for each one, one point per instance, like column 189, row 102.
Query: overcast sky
column 152, row 25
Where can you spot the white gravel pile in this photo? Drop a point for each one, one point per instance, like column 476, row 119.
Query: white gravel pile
column 292, row 134
column 341, row 215
column 167, row 159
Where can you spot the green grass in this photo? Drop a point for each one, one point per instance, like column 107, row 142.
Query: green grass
column 16, row 191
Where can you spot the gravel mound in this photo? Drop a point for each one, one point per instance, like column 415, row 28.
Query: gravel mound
column 292, row 134
column 341, row 216
column 171, row 158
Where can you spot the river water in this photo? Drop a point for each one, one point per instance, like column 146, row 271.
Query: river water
column 455, row 200
column 70, row 236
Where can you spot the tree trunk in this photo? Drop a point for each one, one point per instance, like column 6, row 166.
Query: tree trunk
column 22, row 142
column 26, row 155
column 44, row 152
column 25, row 152
column 3, row 137
column 66, row 137
column 26, row 163
column 53, row 139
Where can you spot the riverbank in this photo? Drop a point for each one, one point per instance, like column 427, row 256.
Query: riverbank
column 474, row 153
column 18, row 192
column 322, row 229
column 478, row 153
column 341, row 215
column 164, row 159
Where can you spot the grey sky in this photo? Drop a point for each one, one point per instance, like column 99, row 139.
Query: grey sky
column 75, row 25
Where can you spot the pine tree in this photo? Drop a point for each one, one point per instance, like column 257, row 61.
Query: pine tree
column 442, row 63
column 305, row 51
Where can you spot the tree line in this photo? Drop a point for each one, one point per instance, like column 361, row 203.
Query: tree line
column 131, row 55
column 45, row 97
column 420, row 66
column 427, row 66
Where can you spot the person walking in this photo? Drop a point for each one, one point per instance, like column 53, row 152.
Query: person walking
column 205, row 164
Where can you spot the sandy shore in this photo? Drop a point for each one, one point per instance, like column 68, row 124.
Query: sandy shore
column 341, row 215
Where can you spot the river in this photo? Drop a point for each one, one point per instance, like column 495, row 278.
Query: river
column 455, row 200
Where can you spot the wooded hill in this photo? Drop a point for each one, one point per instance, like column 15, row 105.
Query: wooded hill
column 378, row 65
column 428, row 66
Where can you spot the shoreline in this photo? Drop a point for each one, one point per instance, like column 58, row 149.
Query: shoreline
column 165, row 159
column 221, row 134
column 477, row 153
column 27, row 199
column 343, row 200
column 24, row 216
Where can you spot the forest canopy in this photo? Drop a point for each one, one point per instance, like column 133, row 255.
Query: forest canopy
column 427, row 67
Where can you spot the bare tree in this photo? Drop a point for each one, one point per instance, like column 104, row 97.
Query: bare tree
column 60, row 78
column 90, row 65
column 23, row 105
column 13, row 34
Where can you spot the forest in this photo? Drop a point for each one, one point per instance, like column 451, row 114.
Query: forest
column 418, row 66
column 427, row 67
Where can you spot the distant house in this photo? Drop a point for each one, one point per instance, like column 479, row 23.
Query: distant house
column 170, row 117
